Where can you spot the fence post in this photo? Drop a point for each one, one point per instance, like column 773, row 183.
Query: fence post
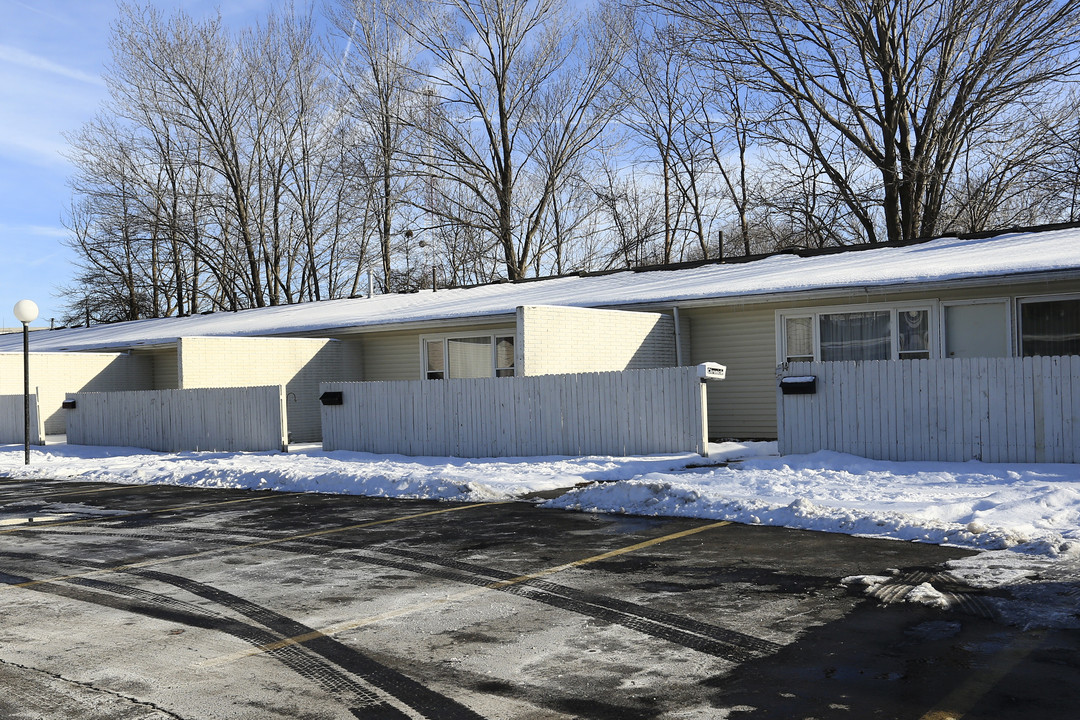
column 703, row 418
column 37, row 420
column 284, row 415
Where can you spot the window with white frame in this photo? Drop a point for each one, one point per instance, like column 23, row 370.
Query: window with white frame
column 976, row 328
column 1050, row 326
column 854, row 336
column 435, row 359
column 877, row 333
column 799, row 339
column 468, row 356
column 913, row 334
column 504, row 356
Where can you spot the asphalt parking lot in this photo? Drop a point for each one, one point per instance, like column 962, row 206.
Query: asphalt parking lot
column 153, row 602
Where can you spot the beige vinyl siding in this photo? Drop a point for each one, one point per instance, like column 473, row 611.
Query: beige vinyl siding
column 990, row 292
column 395, row 355
column 392, row 355
column 998, row 290
column 743, row 339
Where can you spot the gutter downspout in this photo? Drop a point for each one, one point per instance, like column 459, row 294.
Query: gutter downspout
column 678, row 336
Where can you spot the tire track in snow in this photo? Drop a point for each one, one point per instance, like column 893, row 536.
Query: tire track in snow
column 313, row 660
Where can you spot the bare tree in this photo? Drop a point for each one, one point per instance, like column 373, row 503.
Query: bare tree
column 567, row 240
column 127, row 222
column 634, row 215
column 234, row 159
column 907, row 85
column 376, row 71
column 656, row 80
column 724, row 126
column 109, row 228
column 1056, row 174
column 521, row 91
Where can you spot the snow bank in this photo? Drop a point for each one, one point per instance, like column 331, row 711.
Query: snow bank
column 1035, row 508
column 310, row 469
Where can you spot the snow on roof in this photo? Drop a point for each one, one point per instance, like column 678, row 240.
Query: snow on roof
column 942, row 259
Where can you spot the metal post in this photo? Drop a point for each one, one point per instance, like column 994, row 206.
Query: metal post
column 26, row 312
column 26, row 392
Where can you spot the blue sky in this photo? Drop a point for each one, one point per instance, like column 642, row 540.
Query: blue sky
column 52, row 53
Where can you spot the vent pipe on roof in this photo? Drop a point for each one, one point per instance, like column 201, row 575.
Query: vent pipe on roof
column 370, row 284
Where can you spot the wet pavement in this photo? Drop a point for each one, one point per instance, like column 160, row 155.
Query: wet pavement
column 156, row 602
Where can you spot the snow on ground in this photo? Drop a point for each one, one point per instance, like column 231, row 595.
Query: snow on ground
column 1025, row 518
column 1032, row 507
column 309, row 469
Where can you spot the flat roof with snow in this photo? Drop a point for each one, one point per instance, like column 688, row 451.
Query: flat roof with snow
column 941, row 260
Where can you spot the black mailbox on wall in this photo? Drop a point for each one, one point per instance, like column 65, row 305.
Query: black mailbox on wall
column 800, row 385
column 332, row 397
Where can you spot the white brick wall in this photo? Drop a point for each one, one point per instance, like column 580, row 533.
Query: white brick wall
column 554, row 340
column 299, row 364
column 57, row 374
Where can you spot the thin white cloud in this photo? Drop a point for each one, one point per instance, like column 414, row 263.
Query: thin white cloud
column 45, row 231
column 39, row 11
column 26, row 145
column 8, row 232
column 24, row 59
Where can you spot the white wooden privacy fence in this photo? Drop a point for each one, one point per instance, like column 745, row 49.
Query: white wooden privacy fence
column 633, row 412
column 13, row 422
column 990, row 409
column 227, row 419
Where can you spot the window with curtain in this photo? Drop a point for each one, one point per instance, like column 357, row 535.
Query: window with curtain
column 469, row 357
column 1050, row 327
column 855, row 336
column 800, row 339
column 504, row 356
column 913, row 334
column 436, row 368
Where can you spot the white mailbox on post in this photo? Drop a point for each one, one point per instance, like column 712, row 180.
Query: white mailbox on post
column 711, row 371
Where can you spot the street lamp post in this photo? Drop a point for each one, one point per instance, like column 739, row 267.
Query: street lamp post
column 26, row 312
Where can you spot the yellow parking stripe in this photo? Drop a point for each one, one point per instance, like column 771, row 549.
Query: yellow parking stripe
column 963, row 698
column 111, row 488
column 611, row 554
column 455, row 597
column 236, row 548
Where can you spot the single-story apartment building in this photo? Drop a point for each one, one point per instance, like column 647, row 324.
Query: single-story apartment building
column 1003, row 294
